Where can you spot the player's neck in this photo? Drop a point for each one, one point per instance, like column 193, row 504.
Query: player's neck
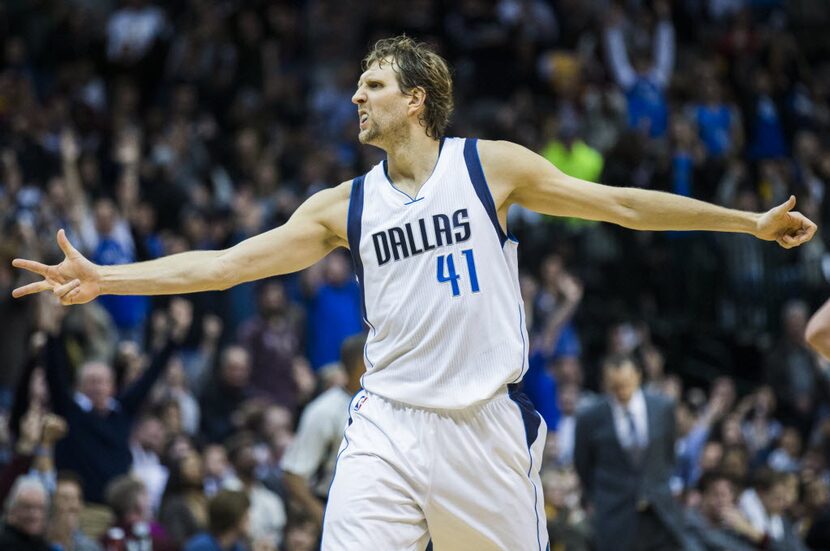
column 411, row 162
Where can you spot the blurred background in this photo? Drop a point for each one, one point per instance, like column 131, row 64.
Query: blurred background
column 149, row 128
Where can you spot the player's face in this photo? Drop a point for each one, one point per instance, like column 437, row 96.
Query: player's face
column 381, row 105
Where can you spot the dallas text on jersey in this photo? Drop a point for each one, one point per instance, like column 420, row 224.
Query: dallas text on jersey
column 397, row 243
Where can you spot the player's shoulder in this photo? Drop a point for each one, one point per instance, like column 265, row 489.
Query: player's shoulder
column 505, row 161
column 499, row 150
column 340, row 192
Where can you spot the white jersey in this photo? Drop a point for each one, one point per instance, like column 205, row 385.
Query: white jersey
column 440, row 285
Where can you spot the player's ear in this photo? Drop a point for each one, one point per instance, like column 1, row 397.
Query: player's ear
column 417, row 98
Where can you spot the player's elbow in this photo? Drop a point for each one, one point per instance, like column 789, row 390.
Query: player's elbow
column 623, row 210
column 222, row 275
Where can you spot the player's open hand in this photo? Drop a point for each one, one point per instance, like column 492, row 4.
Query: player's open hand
column 73, row 281
column 785, row 226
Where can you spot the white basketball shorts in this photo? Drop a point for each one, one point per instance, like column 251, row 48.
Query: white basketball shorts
column 462, row 479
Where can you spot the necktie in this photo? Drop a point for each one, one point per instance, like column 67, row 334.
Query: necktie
column 635, row 447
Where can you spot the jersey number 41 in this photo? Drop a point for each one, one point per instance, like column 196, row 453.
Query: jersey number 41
column 446, row 271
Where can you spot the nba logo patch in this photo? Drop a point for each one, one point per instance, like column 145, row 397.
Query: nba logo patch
column 359, row 402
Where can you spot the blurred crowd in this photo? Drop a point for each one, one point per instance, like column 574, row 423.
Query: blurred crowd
column 210, row 421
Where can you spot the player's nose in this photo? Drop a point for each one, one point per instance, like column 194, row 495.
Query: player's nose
column 359, row 97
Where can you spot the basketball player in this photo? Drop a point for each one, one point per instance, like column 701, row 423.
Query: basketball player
column 439, row 445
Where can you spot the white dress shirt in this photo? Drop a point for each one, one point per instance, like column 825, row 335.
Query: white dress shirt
column 314, row 448
column 637, row 407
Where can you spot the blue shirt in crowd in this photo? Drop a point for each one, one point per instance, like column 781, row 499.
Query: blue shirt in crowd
column 334, row 314
column 128, row 312
column 206, row 542
column 714, row 124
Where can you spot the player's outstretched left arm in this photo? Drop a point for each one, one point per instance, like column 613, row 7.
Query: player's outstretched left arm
column 517, row 175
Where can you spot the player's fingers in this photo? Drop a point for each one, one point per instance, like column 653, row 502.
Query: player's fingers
column 69, row 298
column 785, row 207
column 64, row 244
column 31, row 288
column 809, row 230
column 61, row 290
column 30, row 265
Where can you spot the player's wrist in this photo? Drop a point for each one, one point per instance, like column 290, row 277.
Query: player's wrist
column 106, row 279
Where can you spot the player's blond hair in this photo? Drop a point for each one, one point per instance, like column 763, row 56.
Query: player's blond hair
column 417, row 65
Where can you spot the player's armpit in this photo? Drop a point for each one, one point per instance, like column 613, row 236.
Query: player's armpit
column 316, row 228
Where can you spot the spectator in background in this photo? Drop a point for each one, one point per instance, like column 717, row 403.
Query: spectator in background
column 718, row 524
column 147, row 446
column 218, row 471
column 817, row 521
column 267, row 513
column 184, row 505
column 559, row 296
column 130, row 503
column 114, row 245
column 275, row 432
column 176, row 388
column 568, row 526
column 786, row 457
column 34, row 449
column 644, row 81
column 718, row 123
column 792, row 371
column 27, row 510
column 335, row 311
column 228, row 518
column 570, row 154
column 100, row 420
column 301, row 534
column 226, row 394
column 686, row 157
column 763, row 116
column 310, row 460
column 760, row 428
column 64, row 522
column 693, row 434
column 624, row 455
column 764, row 507
column 565, row 430
column 273, row 340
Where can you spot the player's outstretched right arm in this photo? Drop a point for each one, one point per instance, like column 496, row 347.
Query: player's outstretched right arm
column 316, row 228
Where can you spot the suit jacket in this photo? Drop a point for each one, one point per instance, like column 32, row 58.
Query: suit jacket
column 613, row 484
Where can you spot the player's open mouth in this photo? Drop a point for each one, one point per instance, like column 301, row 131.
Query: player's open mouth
column 363, row 118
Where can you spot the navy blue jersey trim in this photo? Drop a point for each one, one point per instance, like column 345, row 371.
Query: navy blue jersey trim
column 480, row 184
column 523, row 369
column 532, row 421
column 353, row 231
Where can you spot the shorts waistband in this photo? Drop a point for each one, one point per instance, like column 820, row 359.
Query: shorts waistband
column 502, row 395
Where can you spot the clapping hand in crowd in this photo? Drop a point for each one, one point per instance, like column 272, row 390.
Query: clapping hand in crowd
column 39, row 428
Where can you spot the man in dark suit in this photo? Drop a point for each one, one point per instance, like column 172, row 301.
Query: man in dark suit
column 624, row 455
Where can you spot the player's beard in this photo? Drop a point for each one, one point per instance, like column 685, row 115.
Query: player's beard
column 370, row 133
column 376, row 133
